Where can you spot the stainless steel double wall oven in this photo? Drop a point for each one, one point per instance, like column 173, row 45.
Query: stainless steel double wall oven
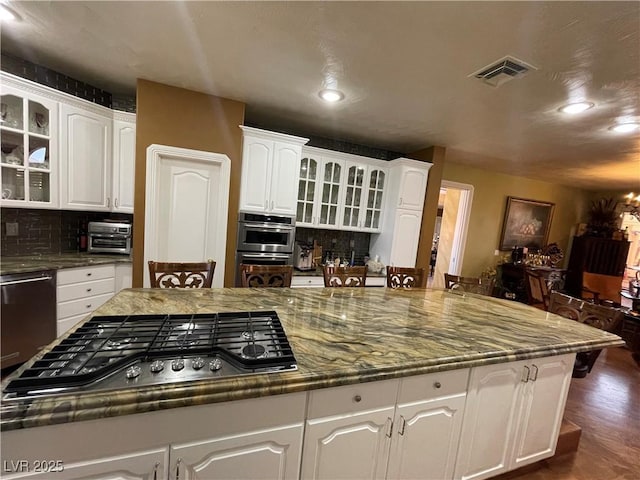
column 264, row 239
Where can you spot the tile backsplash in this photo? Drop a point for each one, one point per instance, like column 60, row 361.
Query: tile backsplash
column 336, row 242
column 46, row 231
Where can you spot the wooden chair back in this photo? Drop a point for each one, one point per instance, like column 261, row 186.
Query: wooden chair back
column 597, row 316
column 537, row 290
column 262, row 276
column 406, row 277
column 344, row 276
column 181, row 275
column 479, row 285
column 601, row 288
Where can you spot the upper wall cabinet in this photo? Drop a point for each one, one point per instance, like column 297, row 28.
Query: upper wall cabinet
column 29, row 133
column 270, row 165
column 124, row 161
column 340, row 191
column 85, row 150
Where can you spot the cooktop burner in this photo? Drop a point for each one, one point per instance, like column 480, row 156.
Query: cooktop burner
column 135, row 350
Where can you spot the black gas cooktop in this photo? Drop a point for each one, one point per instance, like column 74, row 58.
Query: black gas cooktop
column 137, row 350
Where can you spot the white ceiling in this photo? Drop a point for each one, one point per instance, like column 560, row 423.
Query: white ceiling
column 403, row 66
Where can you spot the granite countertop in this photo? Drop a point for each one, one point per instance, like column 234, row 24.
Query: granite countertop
column 339, row 336
column 34, row 263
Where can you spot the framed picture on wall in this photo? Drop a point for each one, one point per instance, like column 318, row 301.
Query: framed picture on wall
column 526, row 223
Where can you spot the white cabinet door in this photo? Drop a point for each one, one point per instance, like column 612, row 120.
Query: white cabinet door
column 284, row 175
column 413, row 185
column 264, row 455
column 406, row 235
column 488, row 431
column 85, row 152
column 29, row 135
column 256, row 173
column 354, row 192
column 308, row 182
column 426, row 438
column 348, row 447
column 541, row 409
column 146, row 465
column 124, row 162
column 328, row 212
column 373, row 200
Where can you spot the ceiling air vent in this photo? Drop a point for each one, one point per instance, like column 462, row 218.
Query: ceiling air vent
column 503, row 70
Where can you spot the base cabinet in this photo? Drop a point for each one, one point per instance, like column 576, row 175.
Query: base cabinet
column 513, row 415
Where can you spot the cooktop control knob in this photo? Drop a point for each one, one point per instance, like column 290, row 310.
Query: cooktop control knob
column 156, row 366
column 215, row 364
column 197, row 363
column 133, row 371
column 177, row 364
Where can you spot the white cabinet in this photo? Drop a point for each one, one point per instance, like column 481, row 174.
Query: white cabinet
column 29, row 135
column 363, row 196
column 124, row 276
column 397, row 242
column 262, row 455
column 80, row 291
column 270, row 166
column 513, row 415
column 124, row 161
column 307, row 281
column 85, row 152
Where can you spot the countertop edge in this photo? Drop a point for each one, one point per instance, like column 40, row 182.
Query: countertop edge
column 132, row 401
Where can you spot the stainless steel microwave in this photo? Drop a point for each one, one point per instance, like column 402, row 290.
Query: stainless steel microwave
column 108, row 237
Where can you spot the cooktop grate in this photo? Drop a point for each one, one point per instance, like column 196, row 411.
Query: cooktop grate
column 251, row 341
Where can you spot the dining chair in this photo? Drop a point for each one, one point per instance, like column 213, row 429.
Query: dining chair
column 181, row 274
column 597, row 316
column 479, row 285
column 537, row 290
column 406, row 277
column 261, row 276
column 344, row 276
column 601, row 288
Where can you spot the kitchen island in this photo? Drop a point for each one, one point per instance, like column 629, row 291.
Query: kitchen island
column 345, row 341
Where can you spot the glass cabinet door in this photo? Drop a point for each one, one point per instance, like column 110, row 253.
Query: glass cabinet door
column 330, row 194
column 353, row 195
column 306, row 190
column 26, row 146
column 374, row 199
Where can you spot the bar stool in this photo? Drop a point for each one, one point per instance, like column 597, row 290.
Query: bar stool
column 344, row 276
column 181, row 275
column 406, row 277
column 261, row 276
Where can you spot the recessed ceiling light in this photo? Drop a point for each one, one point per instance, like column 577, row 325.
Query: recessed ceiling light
column 329, row 95
column 8, row 14
column 578, row 107
column 625, row 127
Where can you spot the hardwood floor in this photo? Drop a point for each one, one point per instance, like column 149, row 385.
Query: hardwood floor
column 606, row 405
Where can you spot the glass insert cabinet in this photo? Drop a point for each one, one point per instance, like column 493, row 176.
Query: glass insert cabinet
column 28, row 144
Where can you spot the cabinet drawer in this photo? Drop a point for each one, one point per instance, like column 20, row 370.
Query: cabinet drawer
column 75, row 275
column 352, row 398
column 85, row 289
column 433, row 385
column 82, row 306
column 307, row 281
column 65, row 324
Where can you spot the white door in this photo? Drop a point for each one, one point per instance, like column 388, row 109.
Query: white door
column 351, row 447
column 256, row 174
column 425, row 439
column 488, row 432
column 284, row 175
column 145, row 465
column 406, row 236
column 85, row 157
column 541, row 409
column 186, row 207
column 265, row 455
column 124, row 163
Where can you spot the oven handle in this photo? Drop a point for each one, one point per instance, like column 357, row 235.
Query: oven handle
column 26, row 280
column 268, row 228
column 109, row 235
column 268, row 255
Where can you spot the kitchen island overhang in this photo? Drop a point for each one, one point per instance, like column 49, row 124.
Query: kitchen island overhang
column 339, row 337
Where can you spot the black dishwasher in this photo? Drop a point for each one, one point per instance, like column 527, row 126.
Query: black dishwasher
column 28, row 316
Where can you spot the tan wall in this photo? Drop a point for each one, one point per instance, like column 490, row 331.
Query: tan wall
column 489, row 202
column 182, row 118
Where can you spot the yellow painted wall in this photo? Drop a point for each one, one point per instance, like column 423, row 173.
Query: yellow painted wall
column 490, row 194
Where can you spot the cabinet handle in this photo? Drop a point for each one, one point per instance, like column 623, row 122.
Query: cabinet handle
column 437, row 385
column 89, row 289
column 535, row 373
column 271, row 204
column 390, row 427
column 178, row 462
column 89, row 306
column 89, row 274
column 525, row 379
column 155, row 471
column 357, row 399
column 400, row 201
column 115, row 202
column 108, row 201
column 403, row 424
